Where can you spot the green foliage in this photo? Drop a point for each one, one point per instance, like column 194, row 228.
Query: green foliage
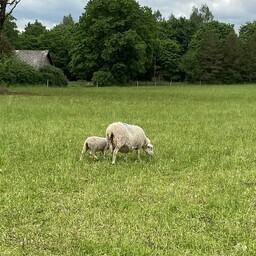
column 16, row 72
column 30, row 38
column 132, row 43
column 53, row 76
column 111, row 32
column 53, row 39
column 68, row 20
column 209, row 58
column 168, row 60
column 203, row 60
column 233, row 59
column 249, row 60
column 10, row 30
column 201, row 15
column 103, row 78
column 179, row 29
column 6, row 49
column 19, row 72
column 247, row 30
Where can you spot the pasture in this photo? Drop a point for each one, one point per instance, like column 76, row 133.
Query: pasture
column 196, row 196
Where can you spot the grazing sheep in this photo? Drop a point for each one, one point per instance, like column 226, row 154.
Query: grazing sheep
column 125, row 138
column 95, row 144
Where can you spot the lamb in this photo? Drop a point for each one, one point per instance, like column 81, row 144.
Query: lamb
column 125, row 138
column 95, row 144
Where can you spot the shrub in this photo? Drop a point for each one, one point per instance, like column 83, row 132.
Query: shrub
column 102, row 78
column 53, row 76
column 15, row 71
column 19, row 72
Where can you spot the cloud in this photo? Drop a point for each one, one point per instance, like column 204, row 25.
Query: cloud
column 51, row 12
column 48, row 12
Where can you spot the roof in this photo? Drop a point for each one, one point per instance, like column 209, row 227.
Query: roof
column 35, row 58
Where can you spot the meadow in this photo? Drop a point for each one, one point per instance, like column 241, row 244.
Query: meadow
column 196, row 196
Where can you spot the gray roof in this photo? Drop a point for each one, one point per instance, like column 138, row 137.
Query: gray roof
column 35, row 58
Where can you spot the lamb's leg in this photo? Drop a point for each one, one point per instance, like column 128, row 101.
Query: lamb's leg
column 104, row 151
column 114, row 155
column 85, row 148
column 92, row 152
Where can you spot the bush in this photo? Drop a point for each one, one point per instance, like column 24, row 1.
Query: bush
column 53, row 76
column 19, row 72
column 15, row 71
column 103, row 78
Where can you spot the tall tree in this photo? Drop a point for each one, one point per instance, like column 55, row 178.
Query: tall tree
column 30, row 38
column 179, row 29
column 233, row 61
column 249, row 63
column 68, row 20
column 11, row 31
column 6, row 9
column 210, row 58
column 201, row 15
column 59, row 41
column 114, row 36
column 212, row 34
column 168, row 60
column 247, row 30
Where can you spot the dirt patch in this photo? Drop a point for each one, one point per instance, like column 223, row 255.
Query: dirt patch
column 4, row 91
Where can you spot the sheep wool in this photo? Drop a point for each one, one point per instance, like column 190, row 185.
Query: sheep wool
column 95, row 144
column 123, row 137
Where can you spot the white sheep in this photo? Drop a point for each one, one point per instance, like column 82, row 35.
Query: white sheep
column 95, row 144
column 122, row 137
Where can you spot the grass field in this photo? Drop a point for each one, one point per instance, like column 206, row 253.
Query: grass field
column 196, row 196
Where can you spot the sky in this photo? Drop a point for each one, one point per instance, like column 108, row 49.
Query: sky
column 51, row 12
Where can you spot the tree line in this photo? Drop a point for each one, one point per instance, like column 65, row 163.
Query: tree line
column 121, row 41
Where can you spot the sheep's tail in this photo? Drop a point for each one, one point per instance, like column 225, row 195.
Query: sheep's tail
column 110, row 140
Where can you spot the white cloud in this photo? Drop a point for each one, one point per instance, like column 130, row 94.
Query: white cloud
column 51, row 12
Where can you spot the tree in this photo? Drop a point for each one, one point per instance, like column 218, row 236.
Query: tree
column 10, row 30
column 30, row 38
column 68, row 20
column 209, row 58
column 168, row 60
column 114, row 36
column 249, row 60
column 232, row 63
column 202, row 60
column 201, row 15
column 179, row 29
column 59, row 41
column 247, row 30
column 6, row 9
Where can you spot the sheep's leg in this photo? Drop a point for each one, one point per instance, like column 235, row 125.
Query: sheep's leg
column 138, row 153
column 111, row 147
column 85, row 148
column 114, row 155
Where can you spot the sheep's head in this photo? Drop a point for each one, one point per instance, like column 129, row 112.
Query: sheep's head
column 148, row 148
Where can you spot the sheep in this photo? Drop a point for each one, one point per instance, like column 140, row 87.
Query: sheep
column 125, row 138
column 95, row 144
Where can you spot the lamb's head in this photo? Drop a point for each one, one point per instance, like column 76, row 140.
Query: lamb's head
column 148, row 148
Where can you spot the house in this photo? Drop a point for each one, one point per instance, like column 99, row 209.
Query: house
column 35, row 58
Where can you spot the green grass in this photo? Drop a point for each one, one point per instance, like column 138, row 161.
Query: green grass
column 195, row 197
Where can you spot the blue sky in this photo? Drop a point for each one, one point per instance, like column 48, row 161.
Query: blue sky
column 51, row 12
